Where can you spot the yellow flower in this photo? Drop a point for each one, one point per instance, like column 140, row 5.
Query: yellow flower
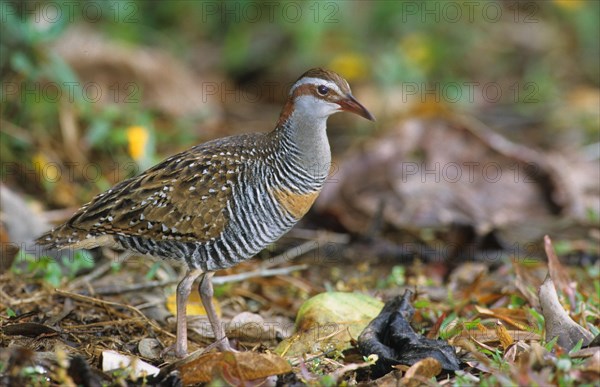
column 569, row 4
column 137, row 138
column 417, row 50
column 39, row 161
column 351, row 66
column 194, row 306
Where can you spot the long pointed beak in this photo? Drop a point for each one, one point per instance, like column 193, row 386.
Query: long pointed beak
column 350, row 104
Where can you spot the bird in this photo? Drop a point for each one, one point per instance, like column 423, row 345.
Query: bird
column 221, row 202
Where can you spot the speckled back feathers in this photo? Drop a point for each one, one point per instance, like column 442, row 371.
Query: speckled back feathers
column 183, row 198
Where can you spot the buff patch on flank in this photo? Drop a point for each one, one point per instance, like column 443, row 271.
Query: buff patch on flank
column 295, row 204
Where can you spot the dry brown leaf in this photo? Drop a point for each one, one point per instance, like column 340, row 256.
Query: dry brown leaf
column 490, row 335
column 468, row 345
column 524, row 282
column 468, row 275
column 585, row 352
column 452, row 170
column 124, row 73
column 503, row 335
column 558, row 322
column 233, row 367
column 502, row 314
column 479, row 336
column 435, row 329
column 593, row 363
column 420, row 372
column 558, row 273
column 391, row 379
column 515, row 351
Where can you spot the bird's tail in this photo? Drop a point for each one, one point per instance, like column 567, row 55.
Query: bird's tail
column 60, row 237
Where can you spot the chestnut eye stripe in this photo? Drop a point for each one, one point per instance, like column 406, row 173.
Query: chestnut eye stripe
column 333, row 94
column 316, row 82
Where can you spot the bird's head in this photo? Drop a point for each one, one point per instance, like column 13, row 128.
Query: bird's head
column 319, row 92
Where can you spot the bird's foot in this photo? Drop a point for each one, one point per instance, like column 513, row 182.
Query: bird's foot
column 174, row 349
column 224, row 345
column 181, row 351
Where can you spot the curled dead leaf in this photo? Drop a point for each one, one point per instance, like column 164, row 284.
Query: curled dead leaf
column 453, row 170
column 516, row 350
column 421, row 371
column 235, row 368
column 558, row 273
column 558, row 322
column 505, row 338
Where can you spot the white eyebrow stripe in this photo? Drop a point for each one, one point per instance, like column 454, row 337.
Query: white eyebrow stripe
column 316, row 81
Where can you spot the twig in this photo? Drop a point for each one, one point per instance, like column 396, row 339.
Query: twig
column 319, row 235
column 102, row 323
column 12, row 302
column 290, row 254
column 110, row 290
column 96, row 273
column 150, row 304
column 98, row 301
column 500, row 144
column 299, row 359
column 256, row 273
column 315, row 238
column 338, row 373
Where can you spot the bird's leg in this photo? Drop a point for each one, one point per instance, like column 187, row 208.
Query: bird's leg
column 183, row 292
column 206, row 295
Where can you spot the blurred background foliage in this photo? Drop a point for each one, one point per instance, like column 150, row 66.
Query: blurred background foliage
column 544, row 57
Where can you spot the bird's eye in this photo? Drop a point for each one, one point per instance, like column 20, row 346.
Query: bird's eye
column 323, row 90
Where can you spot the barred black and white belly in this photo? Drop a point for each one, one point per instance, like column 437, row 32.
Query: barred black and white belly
column 255, row 222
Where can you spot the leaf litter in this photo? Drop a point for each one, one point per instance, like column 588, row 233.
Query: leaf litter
column 470, row 247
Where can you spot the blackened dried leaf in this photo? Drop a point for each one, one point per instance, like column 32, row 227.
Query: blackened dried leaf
column 28, row 329
column 391, row 337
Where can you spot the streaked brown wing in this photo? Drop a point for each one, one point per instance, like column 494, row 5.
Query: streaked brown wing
column 183, row 198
